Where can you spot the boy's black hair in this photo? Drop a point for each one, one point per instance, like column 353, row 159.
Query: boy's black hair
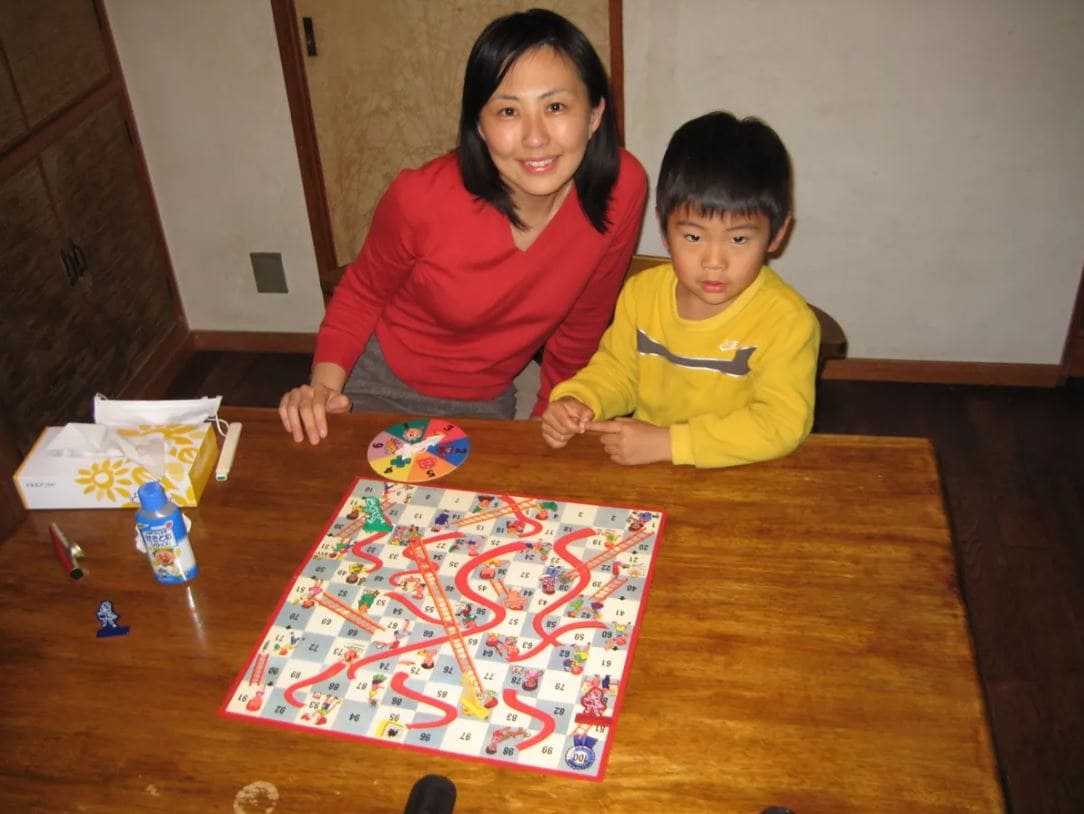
column 502, row 42
column 716, row 164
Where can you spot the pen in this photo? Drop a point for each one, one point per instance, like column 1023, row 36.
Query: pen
column 229, row 449
column 67, row 552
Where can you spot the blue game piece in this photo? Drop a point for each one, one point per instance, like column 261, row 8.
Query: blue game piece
column 107, row 618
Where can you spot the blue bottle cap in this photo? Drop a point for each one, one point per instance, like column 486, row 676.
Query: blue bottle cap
column 152, row 496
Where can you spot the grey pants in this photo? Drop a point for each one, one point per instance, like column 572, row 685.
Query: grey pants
column 373, row 388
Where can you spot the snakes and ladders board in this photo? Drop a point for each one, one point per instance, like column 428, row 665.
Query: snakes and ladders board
column 488, row 626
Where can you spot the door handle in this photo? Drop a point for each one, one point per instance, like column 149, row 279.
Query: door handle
column 310, row 36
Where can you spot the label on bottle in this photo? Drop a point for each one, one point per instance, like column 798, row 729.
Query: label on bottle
column 168, row 549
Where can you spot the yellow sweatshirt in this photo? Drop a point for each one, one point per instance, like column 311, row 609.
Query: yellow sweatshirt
column 735, row 388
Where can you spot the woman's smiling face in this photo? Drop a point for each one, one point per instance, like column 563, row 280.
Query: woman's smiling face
column 536, row 126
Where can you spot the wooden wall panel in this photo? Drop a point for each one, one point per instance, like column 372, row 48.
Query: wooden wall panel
column 12, row 121
column 55, row 52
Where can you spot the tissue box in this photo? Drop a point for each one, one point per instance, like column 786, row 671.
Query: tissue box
column 51, row 480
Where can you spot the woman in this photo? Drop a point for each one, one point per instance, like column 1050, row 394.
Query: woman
column 519, row 238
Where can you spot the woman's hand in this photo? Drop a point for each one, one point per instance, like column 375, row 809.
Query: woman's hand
column 304, row 410
column 564, row 418
column 630, row 441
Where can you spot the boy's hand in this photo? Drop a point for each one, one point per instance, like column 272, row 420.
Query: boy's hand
column 630, row 441
column 564, row 418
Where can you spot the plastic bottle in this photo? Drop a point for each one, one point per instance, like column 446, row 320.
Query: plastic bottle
column 161, row 526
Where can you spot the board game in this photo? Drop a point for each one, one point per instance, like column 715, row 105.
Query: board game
column 486, row 626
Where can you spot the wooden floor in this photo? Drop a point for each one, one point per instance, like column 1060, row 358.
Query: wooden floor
column 1012, row 463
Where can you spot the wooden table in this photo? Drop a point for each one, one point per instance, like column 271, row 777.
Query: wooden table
column 804, row 643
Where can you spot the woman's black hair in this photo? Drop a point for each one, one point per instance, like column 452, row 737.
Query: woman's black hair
column 502, row 42
column 717, row 164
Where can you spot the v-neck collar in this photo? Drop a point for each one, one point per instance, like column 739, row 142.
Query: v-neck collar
column 572, row 199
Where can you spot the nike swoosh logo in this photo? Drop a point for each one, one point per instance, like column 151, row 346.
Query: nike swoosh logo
column 738, row 366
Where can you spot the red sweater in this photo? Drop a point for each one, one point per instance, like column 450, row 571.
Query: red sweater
column 458, row 309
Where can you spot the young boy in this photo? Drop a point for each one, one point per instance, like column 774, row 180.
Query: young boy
column 712, row 354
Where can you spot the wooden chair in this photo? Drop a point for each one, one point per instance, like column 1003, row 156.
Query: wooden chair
column 833, row 340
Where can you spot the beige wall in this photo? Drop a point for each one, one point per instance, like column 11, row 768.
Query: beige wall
column 939, row 152
column 940, row 175
column 210, row 104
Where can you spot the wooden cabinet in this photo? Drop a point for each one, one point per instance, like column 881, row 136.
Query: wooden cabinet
column 55, row 54
column 86, row 293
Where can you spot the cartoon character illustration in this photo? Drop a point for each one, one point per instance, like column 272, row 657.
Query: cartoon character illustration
column 594, row 702
column 575, row 664
column 515, row 599
column 621, row 636
column 311, row 593
column 256, row 701
column 543, row 549
column 323, row 707
column 507, row 648
column 549, row 579
column 402, row 633
column 510, row 648
column 489, row 570
column 610, row 538
column 482, row 503
column 545, row 509
column 531, row 679
column 427, row 657
column 470, row 614
column 338, row 550
column 165, row 562
column 284, row 648
column 501, row 735
column 375, row 687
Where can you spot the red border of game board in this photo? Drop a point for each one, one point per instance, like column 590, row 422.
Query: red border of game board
column 604, row 758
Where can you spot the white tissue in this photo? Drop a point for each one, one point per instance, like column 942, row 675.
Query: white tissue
column 99, row 441
column 132, row 414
